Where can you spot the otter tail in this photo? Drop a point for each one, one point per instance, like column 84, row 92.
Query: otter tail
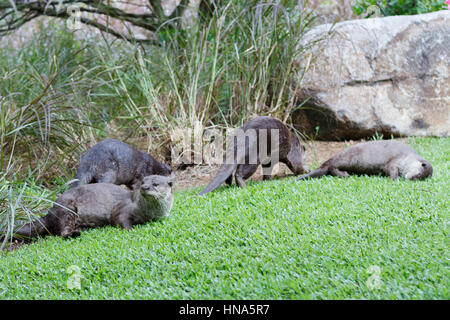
column 34, row 229
column 73, row 183
column 80, row 179
column 225, row 171
column 314, row 174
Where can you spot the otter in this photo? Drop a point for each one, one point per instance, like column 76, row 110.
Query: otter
column 99, row 204
column 391, row 158
column 290, row 152
column 113, row 161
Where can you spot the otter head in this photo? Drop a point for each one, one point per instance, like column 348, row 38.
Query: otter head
column 153, row 166
column 158, row 194
column 165, row 170
column 157, row 186
column 419, row 170
column 297, row 156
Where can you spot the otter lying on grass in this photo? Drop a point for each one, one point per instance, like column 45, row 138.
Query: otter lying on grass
column 99, row 204
column 391, row 158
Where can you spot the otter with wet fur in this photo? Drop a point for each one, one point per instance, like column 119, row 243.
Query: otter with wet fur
column 99, row 204
column 113, row 161
column 391, row 158
column 290, row 152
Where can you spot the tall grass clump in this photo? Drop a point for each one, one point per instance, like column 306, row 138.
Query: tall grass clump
column 246, row 60
column 46, row 115
column 21, row 200
column 44, row 99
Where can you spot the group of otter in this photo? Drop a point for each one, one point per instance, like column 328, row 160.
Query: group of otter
column 96, row 199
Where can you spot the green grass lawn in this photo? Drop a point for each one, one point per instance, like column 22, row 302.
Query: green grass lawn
column 316, row 239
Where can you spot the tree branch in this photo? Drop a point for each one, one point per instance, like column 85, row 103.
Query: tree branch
column 15, row 13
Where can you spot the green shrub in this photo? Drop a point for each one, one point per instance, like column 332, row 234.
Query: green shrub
column 397, row 7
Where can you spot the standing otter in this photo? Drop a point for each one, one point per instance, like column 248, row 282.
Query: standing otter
column 391, row 158
column 289, row 151
column 113, row 161
column 99, row 204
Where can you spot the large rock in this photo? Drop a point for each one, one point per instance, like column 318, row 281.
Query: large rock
column 389, row 76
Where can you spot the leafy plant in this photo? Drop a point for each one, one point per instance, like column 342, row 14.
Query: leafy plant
column 397, row 7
